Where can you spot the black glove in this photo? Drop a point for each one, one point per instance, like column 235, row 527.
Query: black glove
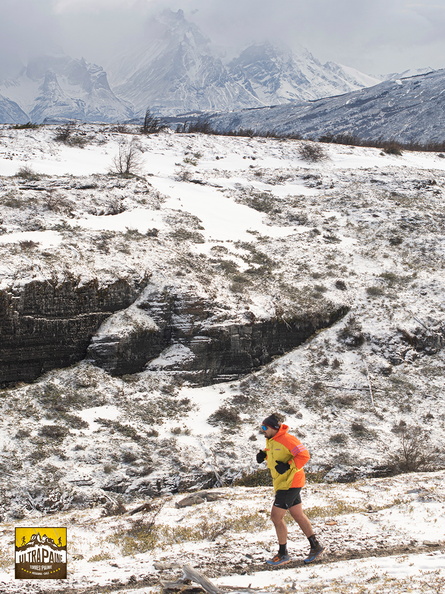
column 261, row 456
column 282, row 467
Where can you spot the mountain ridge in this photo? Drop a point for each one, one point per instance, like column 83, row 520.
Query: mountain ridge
column 172, row 68
column 406, row 110
column 177, row 61
column 61, row 87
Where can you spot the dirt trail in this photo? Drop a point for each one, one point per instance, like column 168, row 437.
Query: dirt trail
column 348, row 554
column 134, row 585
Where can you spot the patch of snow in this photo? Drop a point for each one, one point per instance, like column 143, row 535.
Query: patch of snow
column 45, row 239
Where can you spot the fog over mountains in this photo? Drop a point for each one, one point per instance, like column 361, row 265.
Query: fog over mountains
column 173, row 69
column 176, row 69
column 60, row 87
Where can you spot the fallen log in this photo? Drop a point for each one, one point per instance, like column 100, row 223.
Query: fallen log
column 188, row 573
column 191, row 575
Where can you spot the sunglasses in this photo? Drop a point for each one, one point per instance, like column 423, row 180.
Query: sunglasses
column 264, row 427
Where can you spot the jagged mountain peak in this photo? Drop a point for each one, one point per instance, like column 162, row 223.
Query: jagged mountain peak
column 176, row 28
column 165, row 35
column 174, row 68
column 277, row 74
column 59, row 86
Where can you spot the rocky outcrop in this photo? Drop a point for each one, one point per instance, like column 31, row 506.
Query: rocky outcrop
column 46, row 324
column 224, row 353
column 126, row 341
column 177, row 333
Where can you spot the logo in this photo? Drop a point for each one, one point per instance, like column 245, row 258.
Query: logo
column 40, row 553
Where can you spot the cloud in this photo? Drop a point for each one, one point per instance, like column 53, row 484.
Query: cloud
column 372, row 35
column 26, row 28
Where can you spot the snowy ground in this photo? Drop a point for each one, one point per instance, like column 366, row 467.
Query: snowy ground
column 360, row 228
column 381, row 535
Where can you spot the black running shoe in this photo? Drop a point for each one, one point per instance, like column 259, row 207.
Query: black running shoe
column 314, row 553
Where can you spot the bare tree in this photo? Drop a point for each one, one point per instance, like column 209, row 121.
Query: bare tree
column 151, row 124
column 129, row 159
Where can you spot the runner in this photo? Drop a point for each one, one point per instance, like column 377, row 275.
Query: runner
column 286, row 456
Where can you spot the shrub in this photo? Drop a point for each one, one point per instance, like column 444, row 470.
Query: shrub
column 182, row 234
column 128, row 161
column 351, row 335
column 262, row 202
column 375, row 291
column 151, row 124
column 312, row 152
column 28, row 245
column 259, row 478
column 27, row 173
column 200, row 126
column 344, row 400
column 415, row 453
column 28, row 125
column 53, row 431
column 357, row 427
column 66, row 135
column 341, row 285
column 224, row 415
column 339, row 438
column 129, row 457
column 395, row 240
column 393, row 148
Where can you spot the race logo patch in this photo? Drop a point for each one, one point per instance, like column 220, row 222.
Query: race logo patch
column 40, row 553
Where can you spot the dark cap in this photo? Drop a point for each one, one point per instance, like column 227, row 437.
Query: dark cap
column 272, row 421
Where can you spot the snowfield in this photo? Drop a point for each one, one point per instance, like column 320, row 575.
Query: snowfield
column 252, row 226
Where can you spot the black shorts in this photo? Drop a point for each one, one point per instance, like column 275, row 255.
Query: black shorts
column 287, row 498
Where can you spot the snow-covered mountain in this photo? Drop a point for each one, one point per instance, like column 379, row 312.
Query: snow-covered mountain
column 172, row 69
column 278, row 75
column 175, row 69
column 10, row 112
column 55, row 87
column 407, row 110
column 407, row 73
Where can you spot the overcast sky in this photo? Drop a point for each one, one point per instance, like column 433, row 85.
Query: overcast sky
column 375, row 36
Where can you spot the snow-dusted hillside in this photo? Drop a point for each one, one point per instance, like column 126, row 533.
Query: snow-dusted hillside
column 406, row 110
column 253, row 227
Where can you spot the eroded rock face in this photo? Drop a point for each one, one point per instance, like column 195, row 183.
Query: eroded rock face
column 177, row 333
column 45, row 324
column 224, row 353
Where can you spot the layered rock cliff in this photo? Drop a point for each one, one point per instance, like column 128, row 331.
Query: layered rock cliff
column 179, row 333
column 47, row 324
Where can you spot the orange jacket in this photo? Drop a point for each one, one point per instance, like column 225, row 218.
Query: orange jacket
column 286, row 448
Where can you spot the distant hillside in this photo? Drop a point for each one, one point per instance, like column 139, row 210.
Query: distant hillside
column 407, row 110
column 10, row 112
